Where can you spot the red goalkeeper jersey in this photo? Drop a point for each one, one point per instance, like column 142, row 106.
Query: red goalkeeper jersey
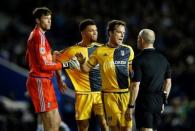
column 38, row 55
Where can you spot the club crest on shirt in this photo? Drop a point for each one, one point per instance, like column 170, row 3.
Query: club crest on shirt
column 122, row 52
column 49, row 104
column 42, row 50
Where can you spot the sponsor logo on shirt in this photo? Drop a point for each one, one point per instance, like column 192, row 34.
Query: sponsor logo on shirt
column 49, row 104
column 120, row 62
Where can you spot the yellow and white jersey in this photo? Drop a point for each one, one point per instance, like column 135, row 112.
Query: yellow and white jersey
column 82, row 82
column 114, row 66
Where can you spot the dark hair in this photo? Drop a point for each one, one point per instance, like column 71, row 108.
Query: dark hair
column 112, row 24
column 38, row 12
column 83, row 24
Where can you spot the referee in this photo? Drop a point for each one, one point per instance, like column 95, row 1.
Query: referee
column 150, row 85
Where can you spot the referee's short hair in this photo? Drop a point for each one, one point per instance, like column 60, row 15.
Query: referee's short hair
column 148, row 35
column 112, row 25
column 38, row 12
column 83, row 24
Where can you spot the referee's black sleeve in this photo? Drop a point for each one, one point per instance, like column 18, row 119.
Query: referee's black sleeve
column 168, row 71
column 137, row 75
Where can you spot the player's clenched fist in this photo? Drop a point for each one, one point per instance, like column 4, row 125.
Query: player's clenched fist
column 55, row 55
column 80, row 58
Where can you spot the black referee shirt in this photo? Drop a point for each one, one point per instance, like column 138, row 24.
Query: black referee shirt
column 151, row 68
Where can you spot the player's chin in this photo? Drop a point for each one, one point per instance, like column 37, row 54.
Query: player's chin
column 119, row 42
column 94, row 40
column 48, row 28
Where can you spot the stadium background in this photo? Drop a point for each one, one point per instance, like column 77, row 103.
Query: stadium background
column 173, row 22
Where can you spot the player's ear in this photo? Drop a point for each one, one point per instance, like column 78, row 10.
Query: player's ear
column 143, row 41
column 82, row 32
column 109, row 33
column 37, row 20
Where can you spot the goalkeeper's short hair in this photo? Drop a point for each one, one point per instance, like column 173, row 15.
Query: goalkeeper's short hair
column 40, row 11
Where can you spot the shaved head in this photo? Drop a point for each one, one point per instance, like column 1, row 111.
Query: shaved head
column 147, row 35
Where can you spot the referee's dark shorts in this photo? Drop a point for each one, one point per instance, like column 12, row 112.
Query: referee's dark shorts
column 148, row 111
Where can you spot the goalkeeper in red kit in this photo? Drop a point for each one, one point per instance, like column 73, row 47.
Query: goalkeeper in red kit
column 39, row 82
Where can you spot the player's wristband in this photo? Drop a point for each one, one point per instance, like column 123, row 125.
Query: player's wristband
column 130, row 106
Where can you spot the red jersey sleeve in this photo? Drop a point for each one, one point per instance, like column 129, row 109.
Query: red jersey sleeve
column 26, row 58
column 43, row 54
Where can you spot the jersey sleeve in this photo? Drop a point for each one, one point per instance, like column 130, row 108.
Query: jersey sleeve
column 27, row 57
column 40, row 54
column 65, row 55
column 93, row 59
column 168, row 71
column 137, row 75
column 131, row 57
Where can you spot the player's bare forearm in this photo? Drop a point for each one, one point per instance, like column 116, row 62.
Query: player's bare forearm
column 59, row 75
column 61, row 84
column 134, row 89
column 130, row 71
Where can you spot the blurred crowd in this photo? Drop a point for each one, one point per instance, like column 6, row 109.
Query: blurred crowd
column 172, row 21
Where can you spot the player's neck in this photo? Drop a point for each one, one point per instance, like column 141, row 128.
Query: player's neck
column 43, row 31
column 85, row 43
column 113, row 45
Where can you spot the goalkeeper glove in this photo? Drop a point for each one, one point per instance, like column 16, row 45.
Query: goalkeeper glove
column 71, row 64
